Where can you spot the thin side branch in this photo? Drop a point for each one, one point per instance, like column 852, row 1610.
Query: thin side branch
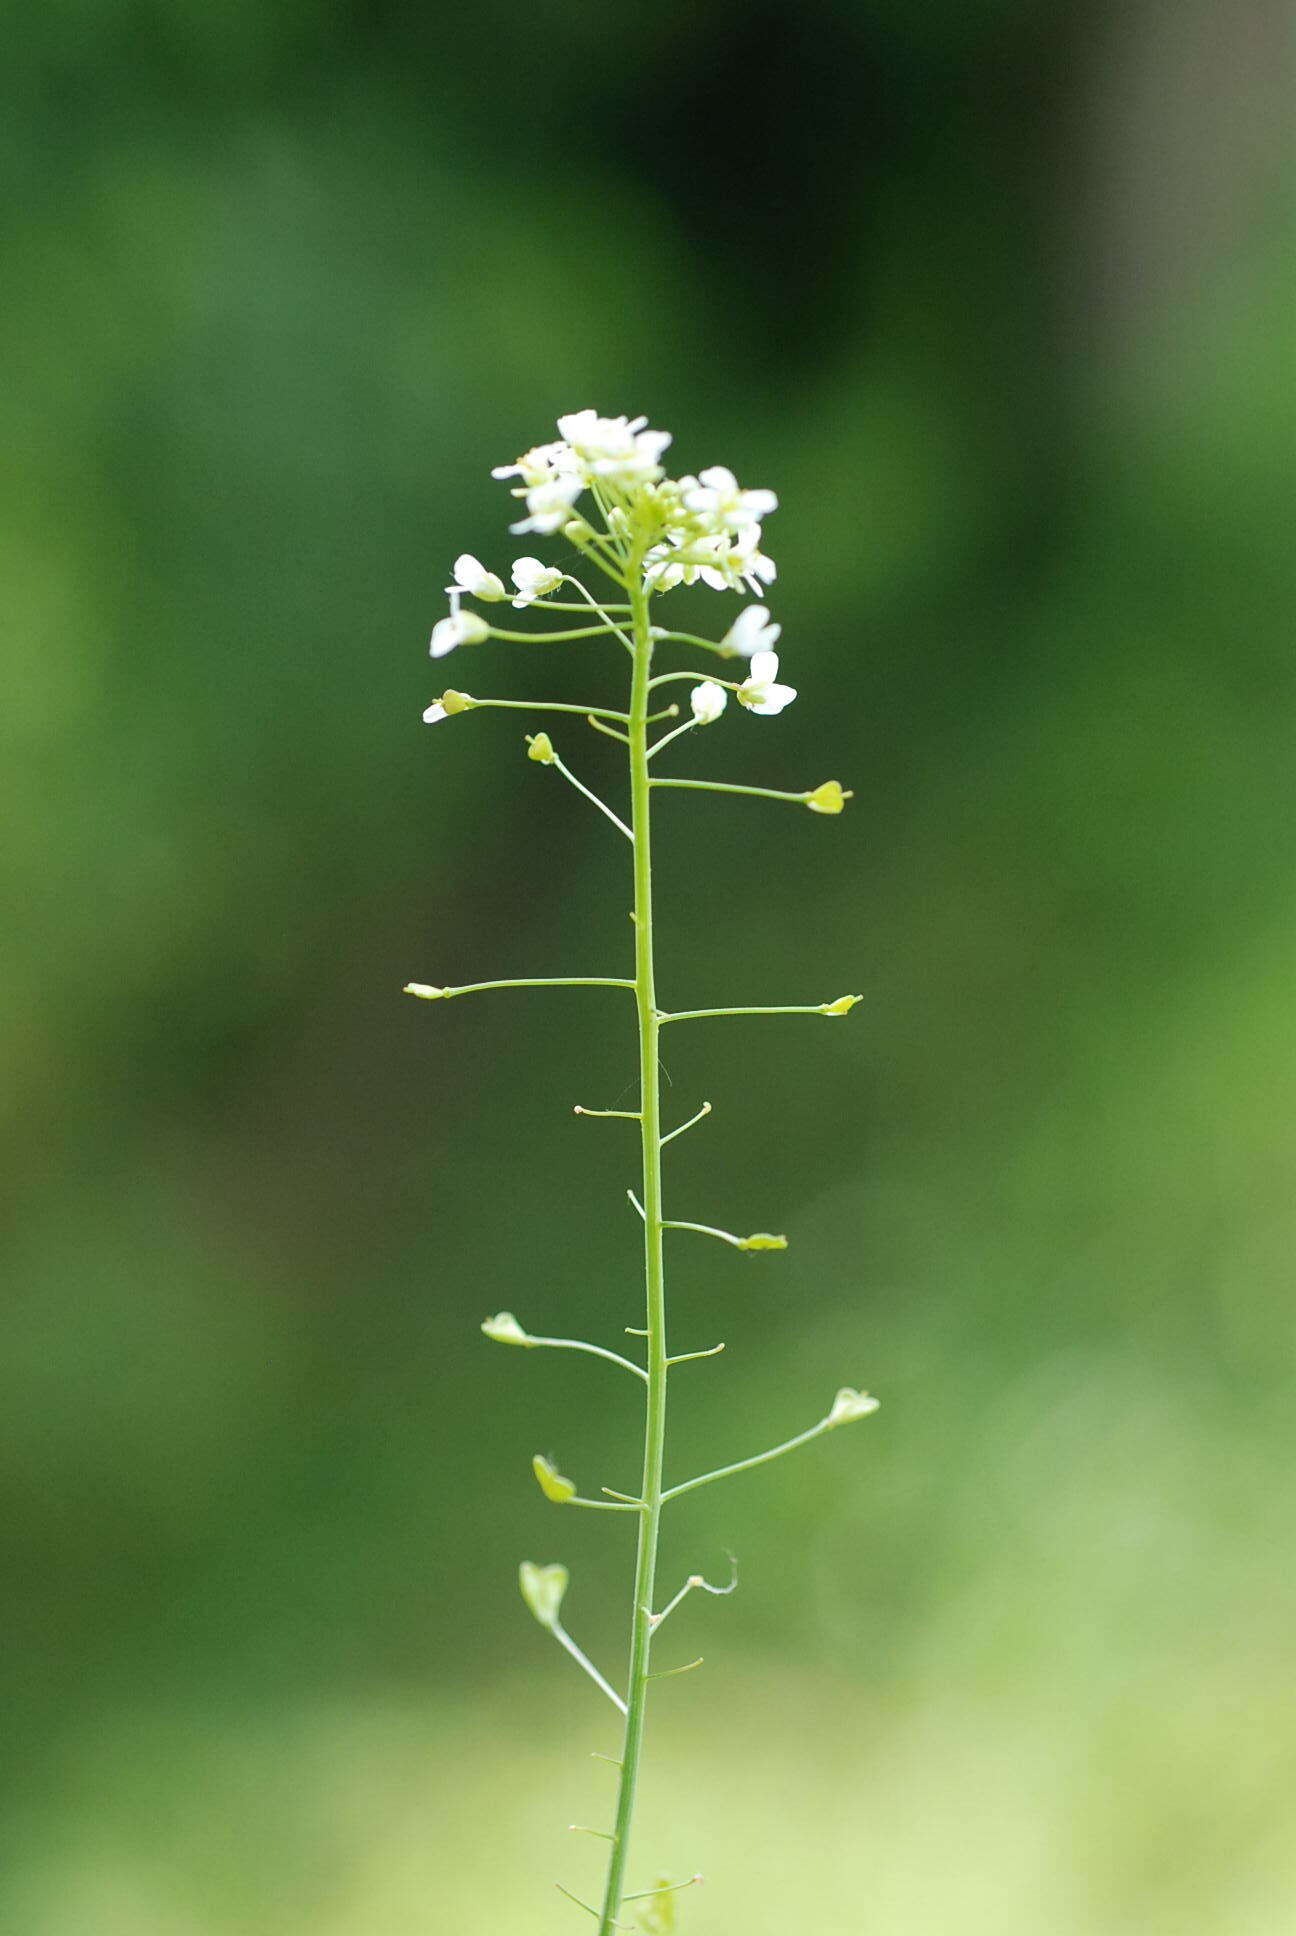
column 663, row 1889
column 687, row 1357
column 544, row 706
column 585, row 1906
column 594, row 1351
column 841, row 1006
column 583, row 1660
column 428, row 992
column 744, row 1465
column 666, row 738
column 759, row 1239
column 669, row 1673
column 560, row 766
column 695, row 1581
column 724, row 786
column 554, row 638
column 705, row 1110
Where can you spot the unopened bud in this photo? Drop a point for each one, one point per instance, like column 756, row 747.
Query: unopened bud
column 456, row 702
column 424, row 990
column 540, row 747
column 762, row 1240
column 842, row 1006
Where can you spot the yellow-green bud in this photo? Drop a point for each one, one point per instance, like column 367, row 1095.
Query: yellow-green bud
column 540, row 747
column 543, row 1588
column 457, row 702
column 551, row 1481
column 828, row 798
column 424, row 990
column 762, row 1240
column 842, row 1006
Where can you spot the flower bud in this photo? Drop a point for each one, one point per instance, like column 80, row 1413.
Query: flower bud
column 762, row 1240
column 424, row 990
column 543, row 1588
column 505, row 1329
column 551, row 1481
column 707, row 702
column 456, row 702
column 850, row 1404
column 828, row 798
column 540, row 747
column 842, row 1006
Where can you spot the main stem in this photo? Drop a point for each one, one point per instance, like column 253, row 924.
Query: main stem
column 654, row 1274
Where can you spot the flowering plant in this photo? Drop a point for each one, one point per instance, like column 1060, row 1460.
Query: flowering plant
column 602, row 488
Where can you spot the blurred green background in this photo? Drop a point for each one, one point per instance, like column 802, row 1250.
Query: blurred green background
column 997, row 297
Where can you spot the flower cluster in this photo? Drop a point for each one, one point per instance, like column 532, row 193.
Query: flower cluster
column 697, row 530
column 649, row 531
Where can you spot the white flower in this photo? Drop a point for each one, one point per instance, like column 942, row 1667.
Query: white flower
column 663, row 570
column 533, row 580
column 685, row 563
column 722, row 560
column 748, row 563
column 708, row 701
column 549, row 504
column 616, row 448
column 538, row 465
column 760, row 692
column 461, row 628
column 751, row 632
column 716, row 496
column 472, row 577
column 434, row 713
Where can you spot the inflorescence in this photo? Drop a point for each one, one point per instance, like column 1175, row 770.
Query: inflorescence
column 601, row 487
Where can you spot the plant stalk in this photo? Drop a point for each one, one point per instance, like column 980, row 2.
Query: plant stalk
column 654, row 1273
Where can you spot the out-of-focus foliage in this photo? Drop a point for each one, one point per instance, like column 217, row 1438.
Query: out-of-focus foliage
column 995, row 297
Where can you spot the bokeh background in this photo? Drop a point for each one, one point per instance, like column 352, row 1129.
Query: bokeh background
column 997, row 297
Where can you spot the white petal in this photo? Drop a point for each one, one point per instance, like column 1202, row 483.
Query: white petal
column 717, row 478
column 774, row 699
column 434, row 713
column 445, row 637
column 707, row 701
column 764, row 667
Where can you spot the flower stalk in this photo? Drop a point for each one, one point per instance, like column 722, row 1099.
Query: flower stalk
column 656, row 533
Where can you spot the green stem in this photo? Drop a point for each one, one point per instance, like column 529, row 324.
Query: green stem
column 705, row 1014
column 654, row 1271
column 724, row 786
column 529, row 981
column 552, row 638
column 742, row 1465
column 594, row 1350
column 543, row 706
column 593, row 798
